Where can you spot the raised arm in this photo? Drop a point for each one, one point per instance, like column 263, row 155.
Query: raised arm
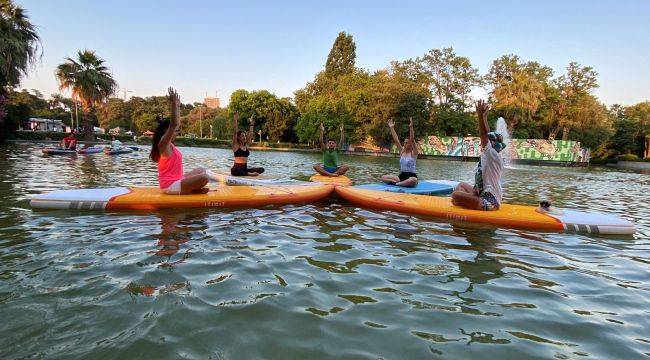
column 164, row 146
column 342, row 136
column 235, row 130
column 481, row 112
column 412, row 137
column 391, row 126
column 322, row 141
column 251, row 128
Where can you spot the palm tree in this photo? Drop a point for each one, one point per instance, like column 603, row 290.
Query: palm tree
column 90, row 82
column 19, row 44
column 19, row 48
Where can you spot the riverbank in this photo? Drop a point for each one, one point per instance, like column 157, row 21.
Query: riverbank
column 303, row 148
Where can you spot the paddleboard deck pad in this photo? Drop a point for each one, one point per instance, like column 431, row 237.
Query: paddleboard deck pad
column 123, row 150
column 91, row 150
column 140, row 198
column 424, row 187
column 511, row 216
column 334, row 180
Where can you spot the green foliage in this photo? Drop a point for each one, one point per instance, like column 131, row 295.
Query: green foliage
column 452, row 120
column 275, row 117
column 342, row 56
column 448, row 76
column 629, row 133
column 627, row 157
column 19, row 44
column 39, row 135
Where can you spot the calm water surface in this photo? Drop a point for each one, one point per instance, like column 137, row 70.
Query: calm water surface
column 325, row 280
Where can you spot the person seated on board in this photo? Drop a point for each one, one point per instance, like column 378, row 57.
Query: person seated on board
column 330, row 166
column 115, row 144
column 171, row 178
column 486, row 192
column 69, row 142
column 408, row 154
column 240, row 144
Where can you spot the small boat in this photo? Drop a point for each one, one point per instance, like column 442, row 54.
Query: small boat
column 117, row 151
column 91, row 150
column 58, row 151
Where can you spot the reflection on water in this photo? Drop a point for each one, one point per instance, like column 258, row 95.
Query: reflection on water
column 317, row 280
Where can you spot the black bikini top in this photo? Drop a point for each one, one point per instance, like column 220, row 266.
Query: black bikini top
column 242, row 153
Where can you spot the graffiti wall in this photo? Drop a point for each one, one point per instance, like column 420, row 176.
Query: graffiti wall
column 525, row 149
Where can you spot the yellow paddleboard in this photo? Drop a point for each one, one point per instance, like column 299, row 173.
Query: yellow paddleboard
column 334, row 180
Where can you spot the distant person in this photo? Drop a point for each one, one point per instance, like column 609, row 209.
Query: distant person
column 115, row 143
column 240, row 145
column 69, row 142
column 408, row 154
column 171, row 178
column 330, row 165
column 486, row 192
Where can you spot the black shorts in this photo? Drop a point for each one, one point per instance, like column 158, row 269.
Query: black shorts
column 243, row 170
column 405, row 175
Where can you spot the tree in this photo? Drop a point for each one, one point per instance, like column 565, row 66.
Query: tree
column 19, row 49
column 342, row 56
column 274, row 116
column 143, row 111
column 113, row 113
column 89, row 80
column 19, row 43
column 631, row 126
column 447, row 75
column 519, row 89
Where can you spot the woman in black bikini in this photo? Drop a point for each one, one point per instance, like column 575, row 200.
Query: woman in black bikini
column 240, row 143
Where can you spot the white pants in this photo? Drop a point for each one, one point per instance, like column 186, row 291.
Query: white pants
column 174, row 188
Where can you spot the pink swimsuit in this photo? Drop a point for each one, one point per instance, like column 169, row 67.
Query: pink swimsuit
column 170, row 169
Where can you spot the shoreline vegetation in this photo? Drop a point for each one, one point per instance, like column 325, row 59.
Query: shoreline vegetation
column 31, row 137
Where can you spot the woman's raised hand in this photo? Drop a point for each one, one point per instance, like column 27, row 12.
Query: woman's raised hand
column 410, row 121
column 175, row 102
column 391, row 123
column 482, row 108
column 322, row 127
column 251, row 120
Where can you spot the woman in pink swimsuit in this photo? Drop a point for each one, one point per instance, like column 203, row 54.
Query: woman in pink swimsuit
column 171, row 178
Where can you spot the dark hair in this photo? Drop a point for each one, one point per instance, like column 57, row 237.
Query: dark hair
column 328, row 140
column 160, row 131
column 239, row 134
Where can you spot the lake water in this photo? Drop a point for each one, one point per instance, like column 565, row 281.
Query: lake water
column 323, row 280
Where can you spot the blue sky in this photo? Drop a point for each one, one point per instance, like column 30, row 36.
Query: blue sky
column 208, row 46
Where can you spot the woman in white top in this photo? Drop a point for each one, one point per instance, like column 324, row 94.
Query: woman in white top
column 486, row 192
column 408, row 153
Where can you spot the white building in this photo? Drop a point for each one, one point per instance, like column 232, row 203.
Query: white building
column 38, row 124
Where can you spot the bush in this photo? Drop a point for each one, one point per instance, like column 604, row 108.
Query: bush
column 39, row 135
column 108, row 137
column 628, row 157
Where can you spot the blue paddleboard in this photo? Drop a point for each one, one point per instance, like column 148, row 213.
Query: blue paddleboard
column 424, row 187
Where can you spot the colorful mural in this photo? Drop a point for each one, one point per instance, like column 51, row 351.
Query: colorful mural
column 525, row 149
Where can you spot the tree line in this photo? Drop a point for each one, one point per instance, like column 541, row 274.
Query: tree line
column 434, row 89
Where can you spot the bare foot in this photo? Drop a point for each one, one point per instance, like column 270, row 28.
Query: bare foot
column 201, row 191
column 253, row 174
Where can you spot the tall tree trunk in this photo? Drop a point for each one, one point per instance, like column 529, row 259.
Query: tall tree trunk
column 553, row 133
column 565, row 133
column 87, row 133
